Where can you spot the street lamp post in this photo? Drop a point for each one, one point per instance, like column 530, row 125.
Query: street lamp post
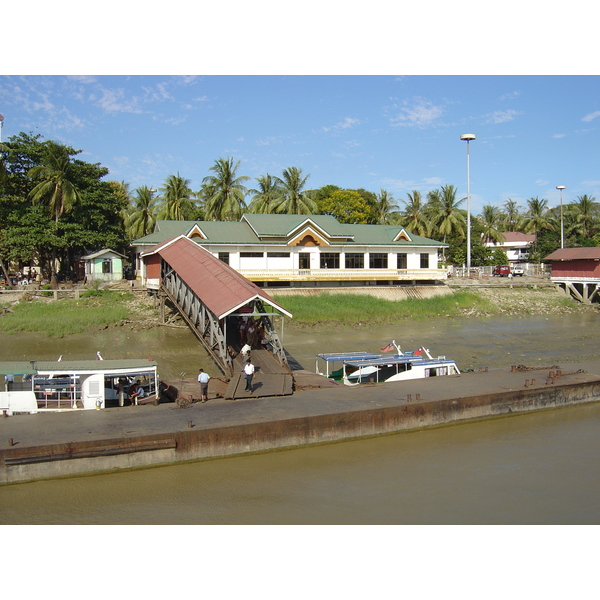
column 467, row 137
column 562, row 228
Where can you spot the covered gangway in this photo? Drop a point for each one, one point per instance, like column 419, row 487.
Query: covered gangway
column 208, row 293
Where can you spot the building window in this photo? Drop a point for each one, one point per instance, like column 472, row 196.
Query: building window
column 106, row 266
column 252, row 254
column 278, row 254
column 330, row 260
column 355, row 261
column 424, row 261
column 224, row 256
column 401, row 261
column 378, row 261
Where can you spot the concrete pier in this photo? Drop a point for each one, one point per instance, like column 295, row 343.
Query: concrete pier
column 84, row 442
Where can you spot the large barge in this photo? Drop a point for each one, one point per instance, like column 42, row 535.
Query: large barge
column 83, row 442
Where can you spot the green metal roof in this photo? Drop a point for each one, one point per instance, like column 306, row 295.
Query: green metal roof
column 256, row 229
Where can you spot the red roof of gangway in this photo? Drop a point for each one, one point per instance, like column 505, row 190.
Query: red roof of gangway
column 221, row 288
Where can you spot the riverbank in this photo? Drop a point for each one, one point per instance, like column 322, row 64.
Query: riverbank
column 83, row 442
column 321, row 308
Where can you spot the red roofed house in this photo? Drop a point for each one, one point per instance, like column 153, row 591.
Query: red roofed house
column 577, row 272
column 516, row 245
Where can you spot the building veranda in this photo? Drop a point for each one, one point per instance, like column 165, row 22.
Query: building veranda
column 307, row 251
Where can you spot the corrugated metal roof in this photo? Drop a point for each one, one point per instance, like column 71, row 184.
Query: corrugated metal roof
column 517, row 236
column 591, row 253
column 276, row 229
column 222, row 289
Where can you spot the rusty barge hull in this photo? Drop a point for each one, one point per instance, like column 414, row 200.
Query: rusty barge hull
column 316, row 416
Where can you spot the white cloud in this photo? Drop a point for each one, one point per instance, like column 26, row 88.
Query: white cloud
column 501, row 116
column 347, row 123
column 510, row 95
column 542, row 182
column 559, row 135
column 418, row 113
column 591, row 116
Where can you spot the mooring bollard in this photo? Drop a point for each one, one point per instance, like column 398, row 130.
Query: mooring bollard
column 513, row 368
column 527, row 383
column 409, row 397
column 190, row 425
column 11, row 442
column 418, row 397
column 533, row 382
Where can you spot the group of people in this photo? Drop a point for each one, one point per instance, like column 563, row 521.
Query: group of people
column 251, row 332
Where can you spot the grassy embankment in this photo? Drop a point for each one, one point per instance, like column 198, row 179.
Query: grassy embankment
column 67, row 316
column 354, row 309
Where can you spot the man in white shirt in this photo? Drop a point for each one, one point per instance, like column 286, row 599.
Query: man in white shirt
column 203, row 381
column 248, row 371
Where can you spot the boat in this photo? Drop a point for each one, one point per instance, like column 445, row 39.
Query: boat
column 57, row 386
column 363, row 367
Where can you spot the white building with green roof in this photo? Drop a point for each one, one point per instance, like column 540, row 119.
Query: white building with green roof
column 307, row 250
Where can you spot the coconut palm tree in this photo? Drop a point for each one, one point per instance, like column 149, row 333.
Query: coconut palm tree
column 55, row 176
column 294, row 201
column 586, row 212
column 141, row 216
column 537, row 216
column 414, row 217
column 176, row 198
column 511, row 216
column 387, row 208
column 224, row 192
column 447, row 218
column 491, row 221
column 266, row 196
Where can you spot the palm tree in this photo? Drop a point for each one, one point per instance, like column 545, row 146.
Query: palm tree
column 449, row 219
column 224, row 192
column 55, row 176
column 414, row 217
column 537, row 216
column 294, row 201
column 511, row 216
column 586, row 212
column 266, row 196
column 386, row 207
column 177, row 204
column 491, row 220
column 141, row 216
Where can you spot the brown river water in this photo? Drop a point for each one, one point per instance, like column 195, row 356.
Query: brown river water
column 541, row 468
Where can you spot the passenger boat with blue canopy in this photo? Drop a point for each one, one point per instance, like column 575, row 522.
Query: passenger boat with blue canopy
column 363, row 367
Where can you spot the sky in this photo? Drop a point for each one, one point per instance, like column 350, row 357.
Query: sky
column 381, row 110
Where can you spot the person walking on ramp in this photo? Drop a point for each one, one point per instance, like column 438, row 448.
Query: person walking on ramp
column 203, row 381
column 248, row 371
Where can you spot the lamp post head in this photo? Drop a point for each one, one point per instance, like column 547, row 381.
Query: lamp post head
column 467, row 137
column 561, row 187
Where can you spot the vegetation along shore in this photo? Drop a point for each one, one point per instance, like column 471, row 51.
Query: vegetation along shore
column 100, row 309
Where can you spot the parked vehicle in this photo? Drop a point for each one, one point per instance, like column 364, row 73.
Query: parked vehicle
column 518, row 271
column 502, row 271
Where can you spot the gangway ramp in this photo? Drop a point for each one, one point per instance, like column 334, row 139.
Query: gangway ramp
column 212, row 297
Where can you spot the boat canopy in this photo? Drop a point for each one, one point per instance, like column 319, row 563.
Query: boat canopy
column 343, row 357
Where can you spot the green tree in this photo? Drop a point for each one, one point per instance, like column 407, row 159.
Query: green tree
column 585, row 212
column 224, row 192
column 537, row 217
column 176, row 199
column 294, row 200
column 141, row 214
column 266, row 195
column 491, row 220
column 348, row 206
column 511, row 217
column 413, row 216
column 387, row 208
column 55, row 178
column 447, row 219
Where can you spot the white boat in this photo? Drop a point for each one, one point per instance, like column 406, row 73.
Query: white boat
column 362, row 367
column 58, row 386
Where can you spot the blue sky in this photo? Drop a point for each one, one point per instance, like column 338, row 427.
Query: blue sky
column 362, row 102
